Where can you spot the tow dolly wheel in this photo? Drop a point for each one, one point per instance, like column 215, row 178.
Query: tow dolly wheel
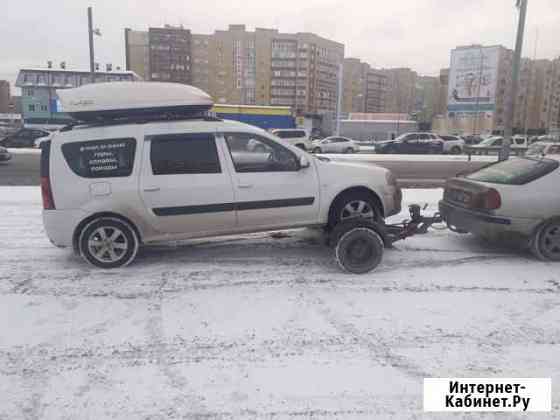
column 358, row 247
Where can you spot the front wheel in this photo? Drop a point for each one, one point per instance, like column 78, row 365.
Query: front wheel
column 456, row 150
column 108, row 242
column 354, row 205
column 317, row 150
column 349, row 150
column 545, row 244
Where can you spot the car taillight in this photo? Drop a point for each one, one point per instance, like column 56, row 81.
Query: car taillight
column 46, row 190
column 46, row 193
column 492, row 200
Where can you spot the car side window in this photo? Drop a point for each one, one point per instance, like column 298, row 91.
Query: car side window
column 176, row 154
column 107, row 158
column 497, row 142
column 410, row 138
column 254, row 153
column 554, row 150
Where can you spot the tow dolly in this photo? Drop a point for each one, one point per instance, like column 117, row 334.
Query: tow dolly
column 359, row 243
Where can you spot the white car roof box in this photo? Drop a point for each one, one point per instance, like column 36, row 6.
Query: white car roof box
column 121, row 100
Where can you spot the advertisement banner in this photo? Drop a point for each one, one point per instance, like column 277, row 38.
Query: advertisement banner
column 473, row 79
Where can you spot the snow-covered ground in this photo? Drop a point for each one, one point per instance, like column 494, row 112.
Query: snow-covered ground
column 262, row 326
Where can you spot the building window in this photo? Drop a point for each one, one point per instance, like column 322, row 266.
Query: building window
column 31, row 108
column 44, row 108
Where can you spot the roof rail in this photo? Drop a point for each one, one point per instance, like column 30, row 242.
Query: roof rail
column 138, row 119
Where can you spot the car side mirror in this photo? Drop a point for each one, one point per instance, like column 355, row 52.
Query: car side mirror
column 304, row 162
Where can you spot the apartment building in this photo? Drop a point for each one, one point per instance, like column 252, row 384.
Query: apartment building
column 401, row 90
column 260, row 67
column 5, row 97
column 364, row 88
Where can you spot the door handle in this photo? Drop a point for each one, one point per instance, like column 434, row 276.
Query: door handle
column 245, row 186
column 151, row 189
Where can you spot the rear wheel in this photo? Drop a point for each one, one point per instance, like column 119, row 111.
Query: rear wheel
column 455, row 150
column 108, row 242
column 317, row 150
column 545, row 244
column 349, row 150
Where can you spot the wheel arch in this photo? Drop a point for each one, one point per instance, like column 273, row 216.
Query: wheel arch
column 92, row 217
column 356, row 189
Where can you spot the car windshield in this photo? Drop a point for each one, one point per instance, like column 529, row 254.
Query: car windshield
column 515, row 171
column 488, row 142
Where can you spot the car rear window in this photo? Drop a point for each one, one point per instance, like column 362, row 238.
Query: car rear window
column 515, row 171
column 106, row 158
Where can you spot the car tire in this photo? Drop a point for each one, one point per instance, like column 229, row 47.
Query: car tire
column 358, row 248
column 455, row 150
column 545, row 243
column 349, row 150
column 317, row 150
column 347, row 207
column 117, row 243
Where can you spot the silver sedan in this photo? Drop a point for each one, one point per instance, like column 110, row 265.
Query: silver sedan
column 335, row 144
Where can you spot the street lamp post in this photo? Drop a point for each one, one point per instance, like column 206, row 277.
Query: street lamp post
column 510, row 107
column 91, row 32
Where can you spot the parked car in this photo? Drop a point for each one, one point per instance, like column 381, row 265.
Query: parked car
column 411, row 143
column 295, row 137
column 335, row 144
column 453, row 144
column 4, row 154
column 472, row 139
column 108, row 188
column 543, row 148
column 24, row 137
column 517, row 197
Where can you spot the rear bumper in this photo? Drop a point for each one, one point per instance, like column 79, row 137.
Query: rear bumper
column 484, row 224
column 61, row 224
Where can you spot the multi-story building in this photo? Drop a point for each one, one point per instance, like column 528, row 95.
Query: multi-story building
column 40, row 102
column 137, row 52
column 401, row 90
column 428, row 90
column 170, row 54
column 5, row 96
column 261, row 67
column 364, row 88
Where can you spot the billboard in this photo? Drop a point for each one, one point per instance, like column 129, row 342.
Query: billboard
column 473, row 77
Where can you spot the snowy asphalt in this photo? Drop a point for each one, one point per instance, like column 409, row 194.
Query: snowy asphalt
column 263, row 325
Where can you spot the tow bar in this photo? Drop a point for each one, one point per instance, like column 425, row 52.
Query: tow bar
column 359, row 244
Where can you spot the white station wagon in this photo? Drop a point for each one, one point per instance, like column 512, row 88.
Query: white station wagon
column 152, row 169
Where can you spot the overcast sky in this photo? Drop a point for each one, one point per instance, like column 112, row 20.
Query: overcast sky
column 386, row 33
